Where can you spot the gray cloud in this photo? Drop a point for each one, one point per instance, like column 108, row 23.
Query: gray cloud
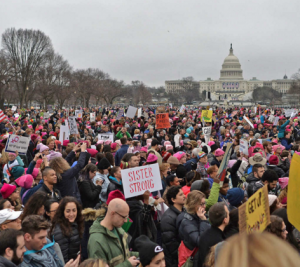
column 158, row 40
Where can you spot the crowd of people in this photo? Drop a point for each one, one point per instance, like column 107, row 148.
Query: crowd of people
column 62, row 203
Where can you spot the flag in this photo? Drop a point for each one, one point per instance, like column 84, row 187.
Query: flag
column 2, row 116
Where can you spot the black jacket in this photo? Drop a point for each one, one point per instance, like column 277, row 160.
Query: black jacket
column 252, row 187
column 67, row 185
column 215, row 162
column 69, row 245
column 6, row 263
column 56, row 195
column 208, row 239
column 278, row 170
column 89, row 193
column 170, row 238
column 113, row 185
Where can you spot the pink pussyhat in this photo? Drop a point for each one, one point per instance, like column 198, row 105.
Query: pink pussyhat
column 283, row 182
column 107, row 142
column 44, row 133
column 100, row 142
column 169, row 147
column 167, row 143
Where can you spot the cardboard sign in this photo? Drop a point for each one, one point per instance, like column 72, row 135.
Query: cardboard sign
column 17, row 142
column 140, row 179
column 276, row 120
column 162, row 121
column 244, row 146
column 254, row 215
column 92, row 117
column 64, row 133
column 131, row 112
column 293, row 196
column 248, row 121
column 120, row 114
column 14, row 108
column 206, row 115
column 106, row 136
column 78, row 114
column 161, row 109
column 206, row 132
column 73, row 125
column 223, row 166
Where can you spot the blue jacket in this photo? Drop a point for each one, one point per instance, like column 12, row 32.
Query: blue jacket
column 120, row 153
column 188, row 165
column 281, row 129
column 286, row 144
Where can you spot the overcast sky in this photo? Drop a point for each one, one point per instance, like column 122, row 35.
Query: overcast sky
column 158, row 40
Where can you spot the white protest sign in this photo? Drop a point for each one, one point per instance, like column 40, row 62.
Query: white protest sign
column 16, row 142
column 275, row 123
column 255, row 109
column 78, row 114
column 46, row 115
column 92, row 116
column 120, row 114
column 131, row 112
column 139, row 113
column 249, row 122
column 244, row 146
column 17, row 115
column 106, row 136
column 140, row 179
column 14, row 108
column 271, row 118
column 64, row 133
column 67, row 112
column 260, row 140
column 206, row 132
column 73, row 125
column 171, row 105
column 288, row 112
column 182, row 108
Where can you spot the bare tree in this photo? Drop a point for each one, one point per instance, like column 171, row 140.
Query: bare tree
column 6, row 75
column 190, row 89
column 140, row 93
column 28, row 51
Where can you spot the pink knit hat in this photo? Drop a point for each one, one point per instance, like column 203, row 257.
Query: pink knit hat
column 66, row 142
column 151, row 158
column 34, row 173
column 167, row 143
column 179, row 155
column 107, row 142
column 210, row 143
column 219, row 152
column 25, row 181
column 169, row 147
column 7, row 190
column 144, row 149
column 118, row 142
column 100, row 142
column 283, row 182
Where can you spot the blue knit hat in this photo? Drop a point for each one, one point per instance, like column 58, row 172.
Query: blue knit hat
column 235, row 196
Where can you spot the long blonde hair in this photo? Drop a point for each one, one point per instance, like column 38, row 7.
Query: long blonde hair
column 259, row 250
column 59, row 165
column 193, row 200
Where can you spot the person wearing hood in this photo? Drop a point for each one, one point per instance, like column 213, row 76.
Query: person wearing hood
column 102, row 174
column 108, row 240
column 235, row 197
column 13, row 160
column 115, row 179
column 274, row 161
column 150, row 253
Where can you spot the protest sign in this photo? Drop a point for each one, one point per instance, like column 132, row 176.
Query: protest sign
column 160, row 109
column 244, row 146
column 73, row 125
column 248, row 121
column 182, row 108
column 140, row 179
column 276, row 120
column 162, row 121
column 92, row 117
column 67, row 113
column 271, row 118
column 14, row 108
column 131, row 112
column 293, row 195
column 254, row 215
column 49, row 108
column 46, row 115
column 16, row 115
column 206, row 115
column 288, row 112
column 139, row 114
column 17, row 143
column 120, row 114
column 206, row 132
column 78, row 114
column 255, row 109
column 64, row 133
column 106, row 136
column 222, row 172
column 171, row 105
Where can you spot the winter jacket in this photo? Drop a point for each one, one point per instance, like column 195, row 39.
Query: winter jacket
column 103, row 193
column 67, row 185
column 190, row 228
column 252, row 187
column 143, row 223
column 69, row 245
column 278, row 170
column 120, row 153
column 6, row 263
column 188, row 164
column 89, row 193
column 114, row 185
column 119, row 135
column 215, row 162
column 104, row 244
column 281, row 129
column 54, row 195
column 285, row 143
column 170, row 238
column 159, row 158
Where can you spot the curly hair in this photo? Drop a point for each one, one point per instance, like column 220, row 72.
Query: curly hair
column 193, row 200
column 65, row 225
column 35, row 202
column 275, row 227
column 59, row 165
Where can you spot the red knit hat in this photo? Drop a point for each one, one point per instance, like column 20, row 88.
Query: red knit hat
column 273, row 160
column 114, row 194
column 7, row 190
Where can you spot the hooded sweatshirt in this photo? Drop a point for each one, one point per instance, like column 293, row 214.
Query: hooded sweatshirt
column 104, row 244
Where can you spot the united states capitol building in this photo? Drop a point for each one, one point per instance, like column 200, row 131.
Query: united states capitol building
column 231, row 84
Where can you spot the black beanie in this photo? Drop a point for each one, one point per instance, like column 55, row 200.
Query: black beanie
column 214, row 147
column 103, row 164
column 147, row 249
column 205, row 150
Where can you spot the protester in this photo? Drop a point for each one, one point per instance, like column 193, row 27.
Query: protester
column 10, row 219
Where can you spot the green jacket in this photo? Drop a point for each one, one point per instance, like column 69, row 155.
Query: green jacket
column 213, row 196
column 103, row 244
column 119, row 135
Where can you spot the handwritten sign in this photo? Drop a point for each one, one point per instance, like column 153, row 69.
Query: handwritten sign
column 73, row 125
column 92, row 116
column 17, row 142
column 131, row 112
column 182, row 108
column 64, row 133
column 276, row 120
column 206, row 115
column 254, row 215
column 160, row 109
column 78, row 114
column 222, row 172
column 120, row 114
column 140, row 179
column 139, row 113
column 14, row 108
column 206, row 132
column 293, row 196
column 244, row 146
column 106, row 136
column 248, row 121
column 162, row 121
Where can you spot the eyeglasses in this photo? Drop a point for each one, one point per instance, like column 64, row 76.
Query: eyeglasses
column 52, row 210
column 124, row 217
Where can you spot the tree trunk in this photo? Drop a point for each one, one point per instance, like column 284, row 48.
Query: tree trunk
column 2, row 103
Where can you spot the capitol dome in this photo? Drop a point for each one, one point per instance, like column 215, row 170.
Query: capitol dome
column 231, row 68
